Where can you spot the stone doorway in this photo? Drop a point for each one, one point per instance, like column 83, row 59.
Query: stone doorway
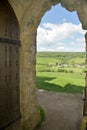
column 46, row 100
column 29, row 14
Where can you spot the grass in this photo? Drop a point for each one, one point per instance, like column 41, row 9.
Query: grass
column 60, row 82
column 52, row 78
column 42, row 115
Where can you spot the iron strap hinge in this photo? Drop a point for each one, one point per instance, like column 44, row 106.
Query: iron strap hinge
column 10, row 41
column 10, row 123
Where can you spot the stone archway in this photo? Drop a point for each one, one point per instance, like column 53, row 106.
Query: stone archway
column 29, row 14
column 85, row 109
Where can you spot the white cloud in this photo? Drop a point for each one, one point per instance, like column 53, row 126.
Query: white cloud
column 80, row 40
column 64, row 20
column 53, row 36
column 61, row 48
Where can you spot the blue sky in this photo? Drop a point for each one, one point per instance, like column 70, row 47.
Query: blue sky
column 60, row 30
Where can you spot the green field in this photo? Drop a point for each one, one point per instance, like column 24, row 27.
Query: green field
column 61, row 72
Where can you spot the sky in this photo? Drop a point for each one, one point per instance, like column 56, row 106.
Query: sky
column 60, row 31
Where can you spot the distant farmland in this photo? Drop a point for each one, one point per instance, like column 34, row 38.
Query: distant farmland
column 61, row 71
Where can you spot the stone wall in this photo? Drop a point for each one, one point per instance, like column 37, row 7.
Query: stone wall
column 29, row 14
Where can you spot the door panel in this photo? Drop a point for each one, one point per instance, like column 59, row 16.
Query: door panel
column 9, row 66
column 9, row 83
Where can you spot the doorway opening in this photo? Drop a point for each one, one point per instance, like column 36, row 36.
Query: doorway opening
column 61, row 65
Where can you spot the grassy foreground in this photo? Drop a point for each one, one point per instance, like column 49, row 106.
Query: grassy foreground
column 60, row 82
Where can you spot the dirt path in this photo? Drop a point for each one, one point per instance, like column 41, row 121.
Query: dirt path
column 63, row 111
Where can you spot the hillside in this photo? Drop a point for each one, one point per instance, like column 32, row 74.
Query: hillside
column 61, row 72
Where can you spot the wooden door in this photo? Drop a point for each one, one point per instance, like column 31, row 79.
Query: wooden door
column 9, row 66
